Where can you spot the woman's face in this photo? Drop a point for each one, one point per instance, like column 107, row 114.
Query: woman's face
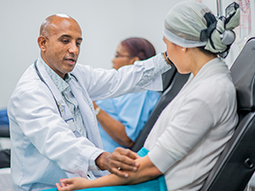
column 122, row 58
column 176, row 55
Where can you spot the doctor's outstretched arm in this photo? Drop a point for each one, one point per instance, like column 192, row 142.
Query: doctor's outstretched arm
column 143, row 75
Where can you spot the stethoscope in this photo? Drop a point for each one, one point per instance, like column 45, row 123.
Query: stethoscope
column 58, row 104
column 41, row 78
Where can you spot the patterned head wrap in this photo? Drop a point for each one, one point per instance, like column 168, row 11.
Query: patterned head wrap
column 192, row 24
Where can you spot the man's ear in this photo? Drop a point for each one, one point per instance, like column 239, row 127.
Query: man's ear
column 42, row 42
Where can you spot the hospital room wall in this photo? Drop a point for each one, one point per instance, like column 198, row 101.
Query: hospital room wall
column 104, row 24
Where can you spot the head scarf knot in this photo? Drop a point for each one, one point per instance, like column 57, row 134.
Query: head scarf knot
column 191, row 24
column 219, row 32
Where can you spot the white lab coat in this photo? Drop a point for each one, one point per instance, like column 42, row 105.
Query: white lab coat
column 43, row 145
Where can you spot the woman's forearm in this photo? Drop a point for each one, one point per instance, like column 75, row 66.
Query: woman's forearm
column 114, row 128
column 146, row 171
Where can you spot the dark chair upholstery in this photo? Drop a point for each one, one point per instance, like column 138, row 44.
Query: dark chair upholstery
column 236, row 164
column 5, row 158
column 4, row 131
column 170, row 92
column 168, row 77
column 4, row 124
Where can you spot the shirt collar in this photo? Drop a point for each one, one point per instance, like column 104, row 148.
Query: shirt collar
column 61, row 84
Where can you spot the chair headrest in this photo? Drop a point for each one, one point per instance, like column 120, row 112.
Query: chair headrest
column 243, row 74
column 167, row 77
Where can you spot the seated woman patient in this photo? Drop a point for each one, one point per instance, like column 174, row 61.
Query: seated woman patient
column 193, row 129
column 121, row 119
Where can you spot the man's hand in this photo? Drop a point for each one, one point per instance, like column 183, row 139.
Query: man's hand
column 120, row 160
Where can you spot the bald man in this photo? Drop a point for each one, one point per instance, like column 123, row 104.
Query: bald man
column 53, row 127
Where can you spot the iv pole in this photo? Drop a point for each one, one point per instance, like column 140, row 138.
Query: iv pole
column 219, row 8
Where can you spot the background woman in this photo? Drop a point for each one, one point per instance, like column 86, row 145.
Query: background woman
column 121, row 119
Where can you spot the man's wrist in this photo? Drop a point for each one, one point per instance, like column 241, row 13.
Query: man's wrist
column 92, row 161
column 102, row 160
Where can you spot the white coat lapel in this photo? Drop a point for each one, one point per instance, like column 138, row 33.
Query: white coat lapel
column 87, row 112
column 65, row 112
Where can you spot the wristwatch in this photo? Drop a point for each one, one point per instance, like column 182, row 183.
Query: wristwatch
column 97, row 110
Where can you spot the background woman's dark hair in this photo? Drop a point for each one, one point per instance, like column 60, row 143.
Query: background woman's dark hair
column 139, row 47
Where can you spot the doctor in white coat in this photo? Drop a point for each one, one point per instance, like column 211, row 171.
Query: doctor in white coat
column 53, row 128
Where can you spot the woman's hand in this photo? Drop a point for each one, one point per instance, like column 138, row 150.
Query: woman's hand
column 72, row 184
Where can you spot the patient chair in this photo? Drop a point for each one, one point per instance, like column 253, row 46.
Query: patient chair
column 4, row 131
column 172, row 83
column 5, row 171
column 168, row 77
column 4, row 134
column 4, row 124
column 236, row 164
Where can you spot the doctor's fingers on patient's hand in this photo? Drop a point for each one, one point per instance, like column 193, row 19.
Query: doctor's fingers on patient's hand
column 123, row 159
column 125, row 152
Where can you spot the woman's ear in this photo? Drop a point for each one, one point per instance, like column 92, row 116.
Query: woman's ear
column 184, row 49
column 41, row 43
column 180, row 48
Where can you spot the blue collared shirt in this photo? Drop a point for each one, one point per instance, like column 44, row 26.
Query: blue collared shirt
column 132, row 110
